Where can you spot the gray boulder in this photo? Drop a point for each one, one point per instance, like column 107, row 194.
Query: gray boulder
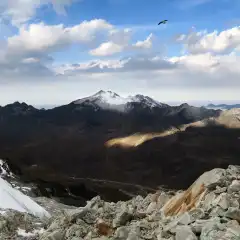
column 55, row 235
column 212, row 231
column 185, row 233
column 77, row 230
column 123, row 216
column 213, row 178
column 233, row 213
column 234, row 187
column 198, row 225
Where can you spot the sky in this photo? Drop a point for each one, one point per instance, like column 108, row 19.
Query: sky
column 55, row 51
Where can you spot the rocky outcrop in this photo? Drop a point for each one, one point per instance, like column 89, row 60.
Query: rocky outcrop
column 207, row 210
column 20, row 226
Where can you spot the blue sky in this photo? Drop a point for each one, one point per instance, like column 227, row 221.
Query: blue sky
column 141, row 12
column 143, row 16
column 73, row 48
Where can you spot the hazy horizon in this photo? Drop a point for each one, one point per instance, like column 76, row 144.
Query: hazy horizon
column 197, row 103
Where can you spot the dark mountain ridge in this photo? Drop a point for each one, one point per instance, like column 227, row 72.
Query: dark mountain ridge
column 66, row 145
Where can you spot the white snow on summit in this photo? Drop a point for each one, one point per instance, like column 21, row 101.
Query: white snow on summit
column 110, row 100
column 149, row 102
column 11, row 198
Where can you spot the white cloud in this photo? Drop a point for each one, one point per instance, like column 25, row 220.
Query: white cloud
column 147, row 43
column 120, row 41
column 33, row 45
column 30, row 60
column 20, row 11
column 106, row 49
column 41, row 37
column 131, row 64
column 189, row 77
column 216, row 42
column 185, row 78
column 201, row 63
column 206, row 60
column 207, row 66
column 121, row 36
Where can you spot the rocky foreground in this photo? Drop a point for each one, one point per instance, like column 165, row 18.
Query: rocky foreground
column 207, row 210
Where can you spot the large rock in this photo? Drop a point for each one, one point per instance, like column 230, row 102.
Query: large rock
column 233, row 213
column 198, row 225
column 208, row 201
column 211, row 179
column 196, row 213
column 77, row 230
column 234, row 187
column 123, row 216
column 205, row 211
column 121, row 233
column 14, row 224
column 212, row 231
column 233, row 172
column 55, row 235
column 89, row 215
column 193, row 196
column 185, row 233
column 222, row 201
column 183, row 219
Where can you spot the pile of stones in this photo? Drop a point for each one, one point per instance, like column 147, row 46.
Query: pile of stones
column 207, row 210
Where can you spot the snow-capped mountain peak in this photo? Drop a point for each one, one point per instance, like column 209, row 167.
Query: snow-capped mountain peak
column 106, row 94
column 149, row 102
column 111, row 100
column 109, row 97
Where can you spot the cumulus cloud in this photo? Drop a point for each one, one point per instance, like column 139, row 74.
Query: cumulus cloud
column 41, row 37
column 147, row 43
column 215, row 42
column 20, row 11
column 214, row 76
column 184, row 78
column 27, row 55
column 118, row 42
column 121, row 42
column 35, row 43
column 204, row 63
column 131, row 64
column 121, row 36
column 106, row 49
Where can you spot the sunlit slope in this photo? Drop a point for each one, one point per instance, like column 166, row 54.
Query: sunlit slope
column 230, row 119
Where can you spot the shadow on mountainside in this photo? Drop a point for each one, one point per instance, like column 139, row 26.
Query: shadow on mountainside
column 81, row 162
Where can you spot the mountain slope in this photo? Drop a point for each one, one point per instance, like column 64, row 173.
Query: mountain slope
column 68, row 141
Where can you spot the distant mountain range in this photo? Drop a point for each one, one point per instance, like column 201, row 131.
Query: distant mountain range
column 67, row 144
column 223, row 106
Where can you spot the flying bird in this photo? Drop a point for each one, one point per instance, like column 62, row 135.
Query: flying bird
column 163, row 22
